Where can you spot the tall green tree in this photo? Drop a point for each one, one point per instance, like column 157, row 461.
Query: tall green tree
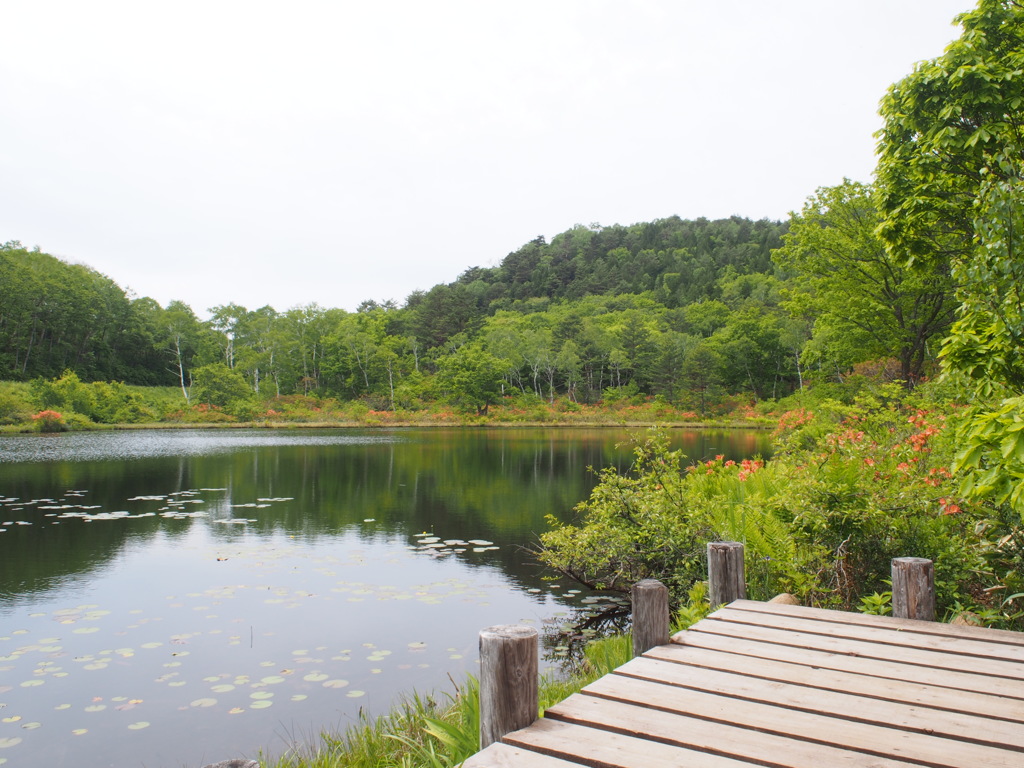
column 858, row 291
column 181, row 333
column 471, row 376
column 951, row 178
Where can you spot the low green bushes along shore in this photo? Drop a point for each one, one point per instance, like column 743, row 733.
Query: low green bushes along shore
column 67, row 403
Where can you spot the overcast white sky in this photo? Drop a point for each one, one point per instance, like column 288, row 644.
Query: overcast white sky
column 334, row 151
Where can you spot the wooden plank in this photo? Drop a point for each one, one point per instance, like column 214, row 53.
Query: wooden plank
column 500, row 755
column 916, row 693
column 756, row 650
column 881, row 635
column 885, row 622
column 591, row 746
column 678, row 729
column 865, row 649
column 845, row 734
column 954, row 725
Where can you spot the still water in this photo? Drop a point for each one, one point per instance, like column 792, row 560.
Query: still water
column 176, row 598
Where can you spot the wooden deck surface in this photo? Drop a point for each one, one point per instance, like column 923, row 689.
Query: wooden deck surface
column 787, row 686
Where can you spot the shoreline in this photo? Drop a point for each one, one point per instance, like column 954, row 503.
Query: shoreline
column 28, row 429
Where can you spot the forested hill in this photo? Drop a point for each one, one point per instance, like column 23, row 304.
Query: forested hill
column 680, row 260
column 56, row 316
column 673, row 261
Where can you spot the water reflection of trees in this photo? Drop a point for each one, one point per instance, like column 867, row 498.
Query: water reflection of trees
column 564, row 638
column 461, row 484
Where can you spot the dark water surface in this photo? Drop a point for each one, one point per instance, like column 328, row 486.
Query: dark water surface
column 176, row 598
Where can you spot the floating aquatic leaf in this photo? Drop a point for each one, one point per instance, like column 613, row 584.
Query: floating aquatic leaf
column 355, row 694
column 80, row 731
column 272, row 679
column 418, row 645
column 222, row 688
column 261, row 695
column 95, row 707
column 315, row 677
column 263, row 704
column 85, row 630
column 235, row 711
column 62, row 706
column 32, row 683
column 31, row 726
column 299, row 697
column 336, row 684
column 13, row 719
column 203, row 703
column 138, row 726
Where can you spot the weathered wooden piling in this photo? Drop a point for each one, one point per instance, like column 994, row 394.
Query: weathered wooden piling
column 508, row 680
column 650, row 615
column 726, row 575
column 913, row 588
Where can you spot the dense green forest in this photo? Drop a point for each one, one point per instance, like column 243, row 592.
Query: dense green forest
column 689, row 310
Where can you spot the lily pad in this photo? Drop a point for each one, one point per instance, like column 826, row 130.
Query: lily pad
column 138, row 726
column 203, row 703
column 262, row 704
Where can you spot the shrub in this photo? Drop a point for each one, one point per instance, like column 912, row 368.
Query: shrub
column 49, row 421
column 850, row 488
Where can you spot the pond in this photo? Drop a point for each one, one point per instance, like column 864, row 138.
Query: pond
column 182, row 597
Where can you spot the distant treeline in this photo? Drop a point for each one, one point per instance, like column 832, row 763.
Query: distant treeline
column 690, row 310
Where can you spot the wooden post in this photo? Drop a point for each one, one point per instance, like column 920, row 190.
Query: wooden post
column 913, row 588
column 650, row 615
column 508, row 681
column 726, row 576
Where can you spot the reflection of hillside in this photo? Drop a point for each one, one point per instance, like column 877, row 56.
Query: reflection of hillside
column 493, row 485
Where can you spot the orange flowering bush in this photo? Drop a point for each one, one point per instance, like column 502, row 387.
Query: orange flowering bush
column 49, row 421
column 849, row 488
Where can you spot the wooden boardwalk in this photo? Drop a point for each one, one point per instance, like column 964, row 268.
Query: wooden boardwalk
column 792, row 687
